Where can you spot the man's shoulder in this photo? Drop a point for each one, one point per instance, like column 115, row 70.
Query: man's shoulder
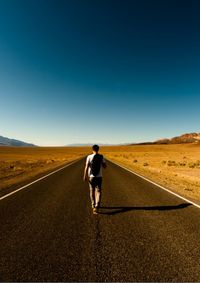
column 90, row 156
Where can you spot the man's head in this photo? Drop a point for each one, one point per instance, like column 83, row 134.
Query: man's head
column 95, row 148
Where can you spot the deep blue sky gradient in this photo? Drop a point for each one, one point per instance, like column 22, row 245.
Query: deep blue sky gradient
column 99, row 71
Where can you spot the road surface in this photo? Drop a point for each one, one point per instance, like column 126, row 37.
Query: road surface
column 143, row 233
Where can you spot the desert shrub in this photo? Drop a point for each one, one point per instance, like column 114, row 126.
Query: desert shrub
column 164, row 162
column 125, row 156
column 146, row 164
column 192, row 165
column 198, row 163
column 135, row 161
column 181, row 163
column 171, row 163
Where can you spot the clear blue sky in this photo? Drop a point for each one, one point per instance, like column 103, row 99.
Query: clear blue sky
column 103, row 71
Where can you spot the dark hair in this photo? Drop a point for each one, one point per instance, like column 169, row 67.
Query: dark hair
column 95, row 147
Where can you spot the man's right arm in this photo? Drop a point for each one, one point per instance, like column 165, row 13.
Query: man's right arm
column 104, row 163
column 85, row 177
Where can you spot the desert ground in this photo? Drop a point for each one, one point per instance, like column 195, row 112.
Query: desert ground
column 19, row 164
column 175, row 166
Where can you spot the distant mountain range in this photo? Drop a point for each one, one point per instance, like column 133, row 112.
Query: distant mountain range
column 79, row 144
column 12, row 142
column 185, row 138
column 88, row 144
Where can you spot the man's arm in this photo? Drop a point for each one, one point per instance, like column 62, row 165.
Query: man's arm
column 104, row 165
column 85, row 177
column 86, row 172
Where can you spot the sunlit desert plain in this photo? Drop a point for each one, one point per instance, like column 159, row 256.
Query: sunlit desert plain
column 19, row 164
column 175, row 166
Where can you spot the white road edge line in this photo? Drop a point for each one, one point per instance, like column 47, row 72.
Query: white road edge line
column 169, row 191
column 67, row 165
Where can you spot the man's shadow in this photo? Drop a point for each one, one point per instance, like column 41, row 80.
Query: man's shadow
column 118, row 209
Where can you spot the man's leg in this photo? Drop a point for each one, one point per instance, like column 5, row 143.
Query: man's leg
column 97, row 196
column 92, row 197
column 98, row 192
column 92, row 192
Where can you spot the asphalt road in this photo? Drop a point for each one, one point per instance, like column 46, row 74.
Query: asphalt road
column 48, row 231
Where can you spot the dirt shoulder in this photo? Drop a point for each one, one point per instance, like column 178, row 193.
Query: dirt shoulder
column 19, row 165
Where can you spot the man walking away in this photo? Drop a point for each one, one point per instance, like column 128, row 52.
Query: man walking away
column 93, row 173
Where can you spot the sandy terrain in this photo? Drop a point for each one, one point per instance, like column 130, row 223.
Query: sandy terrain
column 175, row 166
column 18, row 164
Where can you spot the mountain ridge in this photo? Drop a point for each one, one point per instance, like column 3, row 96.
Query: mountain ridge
column 4, row 141
column 184, row 138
